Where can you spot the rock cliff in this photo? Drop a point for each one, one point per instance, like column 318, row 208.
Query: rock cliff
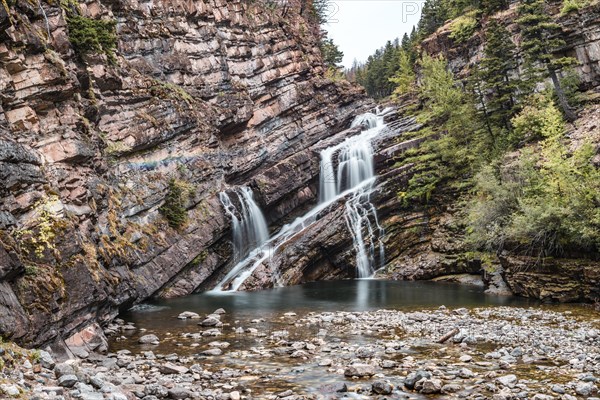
column 200, row 96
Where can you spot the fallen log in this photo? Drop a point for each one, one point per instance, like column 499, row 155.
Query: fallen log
column 448, row 335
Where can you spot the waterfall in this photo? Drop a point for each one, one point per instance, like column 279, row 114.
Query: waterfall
column 354, row 179
column 247, row 224
column 355, row 171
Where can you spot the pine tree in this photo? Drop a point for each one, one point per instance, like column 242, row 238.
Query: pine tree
column 433, row 15
column 332, row 55
column 499, row 61
column 540, row 39
column 404, row 79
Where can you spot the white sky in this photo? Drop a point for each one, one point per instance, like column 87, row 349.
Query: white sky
column 359, row 27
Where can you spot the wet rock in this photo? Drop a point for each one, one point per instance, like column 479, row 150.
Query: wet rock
column 382, row 387
column 210, row 322
column 430, row 386
column 359, row 370
column 338, row 387
column 149, row 339
column 219, row 311
column 414, row 377
column 451, row 388
column 465, row 373
column 67, row 380
column 188, row 315
column 212, row 352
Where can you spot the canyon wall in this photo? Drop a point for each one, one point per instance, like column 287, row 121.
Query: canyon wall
column 204, row 95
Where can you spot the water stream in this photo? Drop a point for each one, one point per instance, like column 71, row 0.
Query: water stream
column 354, row 181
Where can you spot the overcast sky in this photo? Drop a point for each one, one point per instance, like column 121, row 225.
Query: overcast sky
column 359, row 27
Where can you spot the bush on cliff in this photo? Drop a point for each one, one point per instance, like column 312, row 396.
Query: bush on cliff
column 91, row 36
column 173, row 209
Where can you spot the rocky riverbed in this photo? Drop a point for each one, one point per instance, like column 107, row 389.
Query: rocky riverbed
column 497, row 353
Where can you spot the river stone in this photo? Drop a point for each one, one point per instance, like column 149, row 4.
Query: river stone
column 210, row 321
column 414, row 377
column 188, row 315
column 67, row 380
column 338, row 387
column 585, row 388
column 382, row 387
column 430, row 386
column 148, row 339
column 179, row 393
column 212, row 352
column 360, row 370
column 387, row 364
column 558, row 389
column 221, row 345
column 219, row 311
column 170, row 368
column 451, row 388
column 156, row 390
column 235, row 395
column 507, row 380
column 326, row 362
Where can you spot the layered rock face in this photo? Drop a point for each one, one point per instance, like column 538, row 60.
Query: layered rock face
column 206, row 94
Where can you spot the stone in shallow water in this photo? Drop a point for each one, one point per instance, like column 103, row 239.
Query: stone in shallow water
column 188, row 315
column 338, row 387
column 148, row 339
column 414, row 377
column 382, row 387
column 430, row 386
column 210, row 322
column 359, row 370
column 212, row 352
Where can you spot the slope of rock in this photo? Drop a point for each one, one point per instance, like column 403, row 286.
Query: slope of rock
column 203, row 94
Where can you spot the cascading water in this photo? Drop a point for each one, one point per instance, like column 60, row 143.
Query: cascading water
column 354, row 179
column 355, row 172
column 250, row 229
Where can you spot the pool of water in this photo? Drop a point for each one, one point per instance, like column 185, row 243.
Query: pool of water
column 350, row 295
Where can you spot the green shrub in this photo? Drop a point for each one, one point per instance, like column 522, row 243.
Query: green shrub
column 463, row 27
column 91, row 36
column 173, row 208
column 541, row 202
column 570, row 6
column 539, row 119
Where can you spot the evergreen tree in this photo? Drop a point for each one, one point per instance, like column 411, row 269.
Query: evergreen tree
column 540, row 40
column 332, row 55
column 433, row 15
column 499, row 61
column 405, row 77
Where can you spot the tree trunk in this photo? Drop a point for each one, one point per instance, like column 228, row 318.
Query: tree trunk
column 562, row 99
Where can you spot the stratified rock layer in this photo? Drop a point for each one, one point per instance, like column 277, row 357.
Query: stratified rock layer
column 210, row 94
